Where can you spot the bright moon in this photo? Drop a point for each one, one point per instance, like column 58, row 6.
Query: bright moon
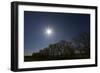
column 49, row 31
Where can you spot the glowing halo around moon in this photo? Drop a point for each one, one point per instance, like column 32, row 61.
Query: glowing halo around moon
column 49, row 31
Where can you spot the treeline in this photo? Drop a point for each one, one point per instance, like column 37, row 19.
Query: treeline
column 78, row 48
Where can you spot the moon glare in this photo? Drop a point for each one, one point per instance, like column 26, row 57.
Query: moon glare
column 49, row 31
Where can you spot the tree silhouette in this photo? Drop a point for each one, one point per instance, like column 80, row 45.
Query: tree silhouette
column 79, row 48
column 82, row 43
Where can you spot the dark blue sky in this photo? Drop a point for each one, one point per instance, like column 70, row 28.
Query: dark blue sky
column 65, row 26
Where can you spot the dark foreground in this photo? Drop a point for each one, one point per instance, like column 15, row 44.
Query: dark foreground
column 44, row 58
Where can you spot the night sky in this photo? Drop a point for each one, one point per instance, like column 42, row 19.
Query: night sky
column 65, row 26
